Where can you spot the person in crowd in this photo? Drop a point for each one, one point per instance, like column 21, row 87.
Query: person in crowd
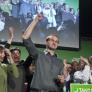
column 68, row 70
column 90, row 63
column 46, row 13
column 82, row 75
column 15, row 84
column 15, row 8
column 25, row 8
column 6, row 6
column 48, row 75
column 30, row 69
column 11, row 23
column 77, row 16
column 6, row 69
column 75, row 65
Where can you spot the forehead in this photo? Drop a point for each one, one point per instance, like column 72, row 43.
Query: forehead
column 15, row 51
column 52, row 37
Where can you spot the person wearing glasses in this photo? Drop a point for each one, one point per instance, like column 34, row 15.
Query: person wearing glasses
column 48, row 75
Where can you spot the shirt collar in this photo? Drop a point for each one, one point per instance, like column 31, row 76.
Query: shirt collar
column 47, row 52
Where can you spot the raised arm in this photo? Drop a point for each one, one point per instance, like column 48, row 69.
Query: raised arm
column 11, row 67
column 11, row 36
column 30, row 46
column 85, row 60
column 31, row 27
column 9, row 57
column 10, row 39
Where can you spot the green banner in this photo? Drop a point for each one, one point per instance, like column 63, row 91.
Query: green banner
column 81, row 87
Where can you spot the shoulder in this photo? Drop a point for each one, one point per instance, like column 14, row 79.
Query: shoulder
column 3, row 65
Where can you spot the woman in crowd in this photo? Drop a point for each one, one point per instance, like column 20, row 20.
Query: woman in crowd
column 5, row 69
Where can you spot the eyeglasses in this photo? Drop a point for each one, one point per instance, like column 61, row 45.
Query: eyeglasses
column 14, row 49
column 56, row 41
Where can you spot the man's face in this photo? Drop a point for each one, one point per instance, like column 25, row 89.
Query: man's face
column 16, row 56
column 52, row 43
column 2, row 55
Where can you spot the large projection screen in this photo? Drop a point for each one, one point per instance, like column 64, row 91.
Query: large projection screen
column 60, row 17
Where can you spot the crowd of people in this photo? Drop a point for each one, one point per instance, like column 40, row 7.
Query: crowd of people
column 41, row 71
column 55, row 14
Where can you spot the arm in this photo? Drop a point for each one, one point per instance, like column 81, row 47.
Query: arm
column 26, row 38
column 86, row 70
column 8, row 44
column 66, row 66
column 61, row 76
column 85, row 60
column 11, row 36
column 86, row 73
column 11, row 67
column 31, row 27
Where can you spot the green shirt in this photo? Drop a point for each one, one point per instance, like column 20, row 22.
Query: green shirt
column 4, row 70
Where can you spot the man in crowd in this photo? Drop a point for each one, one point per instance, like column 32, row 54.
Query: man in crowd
column 48, row 75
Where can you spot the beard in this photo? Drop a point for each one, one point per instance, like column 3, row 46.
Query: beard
column 50, row 48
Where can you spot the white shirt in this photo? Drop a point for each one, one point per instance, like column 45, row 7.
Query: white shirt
column 84, row 74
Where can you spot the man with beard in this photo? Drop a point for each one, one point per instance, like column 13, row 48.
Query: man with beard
column 48, row 75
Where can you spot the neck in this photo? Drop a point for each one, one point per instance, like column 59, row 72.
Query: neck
column 52, row 52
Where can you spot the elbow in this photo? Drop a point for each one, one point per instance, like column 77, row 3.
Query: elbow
column 24, row 36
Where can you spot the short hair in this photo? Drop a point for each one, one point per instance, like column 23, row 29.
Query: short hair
column 14, row 49
column 50, row 36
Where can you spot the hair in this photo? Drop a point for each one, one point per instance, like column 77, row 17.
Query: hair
column 5, row 14
column 49, row 37
column 14, row 49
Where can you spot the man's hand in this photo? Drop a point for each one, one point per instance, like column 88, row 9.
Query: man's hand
column 31, row 27
column 38, row 17
column 9, row 55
